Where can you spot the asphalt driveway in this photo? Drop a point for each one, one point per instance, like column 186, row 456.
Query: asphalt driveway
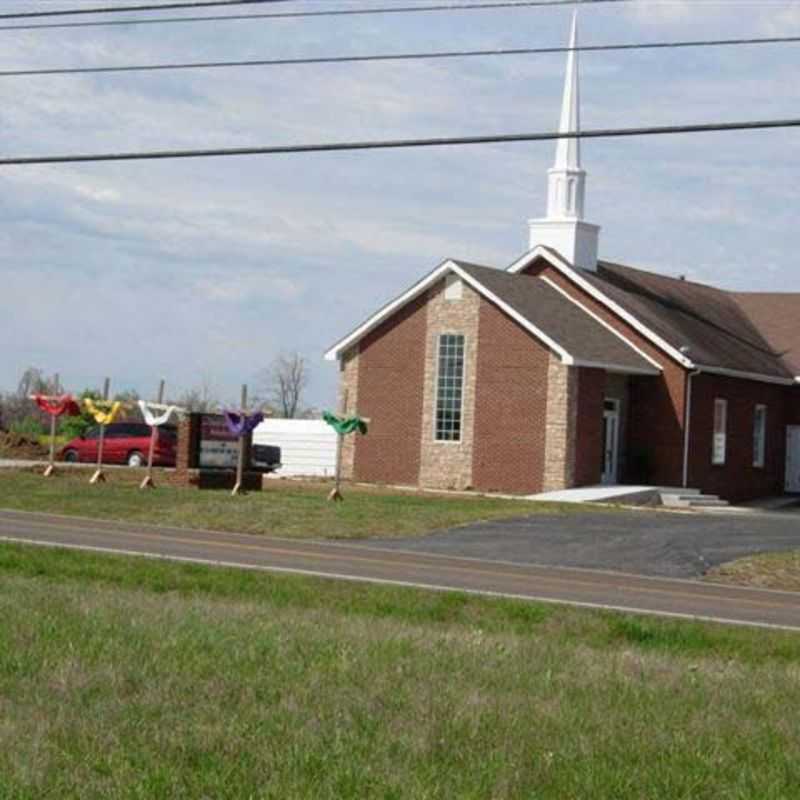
column 641, row 542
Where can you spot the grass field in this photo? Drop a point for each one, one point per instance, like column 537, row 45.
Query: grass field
column 124, row 678
column 767, row 570
column 285, row 508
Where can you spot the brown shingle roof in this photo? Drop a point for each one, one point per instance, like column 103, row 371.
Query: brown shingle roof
column 777, row 316
column 708, row 324
column 577, row 332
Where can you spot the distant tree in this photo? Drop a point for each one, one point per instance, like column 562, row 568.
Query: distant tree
column 128, row 396
column 70, row 427
column 34, row 381
column 285, row 380
column 200, row 399
column 17, row 412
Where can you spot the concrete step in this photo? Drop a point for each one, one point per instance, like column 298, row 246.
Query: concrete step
column 691, row 499
column 707, row 502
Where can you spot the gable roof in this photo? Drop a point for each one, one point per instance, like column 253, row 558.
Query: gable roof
column 699, row 326
column 586, row 339
column 777, row 316
column 575, row 335
column 706, row 324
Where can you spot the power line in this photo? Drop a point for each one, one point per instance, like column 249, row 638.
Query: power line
column 331, row 12
column 169, row 6
column 396, row 144
column 442, row 54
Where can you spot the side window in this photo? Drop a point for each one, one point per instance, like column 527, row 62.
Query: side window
column 759, row 436
column 449, row 388
column 119, row 431
column 92, row 433
column 720, row 442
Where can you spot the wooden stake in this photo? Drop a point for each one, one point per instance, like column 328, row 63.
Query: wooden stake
column 238, row 488
column 147, row 483
column 336, row 495
column 99, row 475
column 51, row 464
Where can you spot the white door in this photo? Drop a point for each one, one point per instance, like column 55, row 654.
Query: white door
column 793, row 458
column 610, row 441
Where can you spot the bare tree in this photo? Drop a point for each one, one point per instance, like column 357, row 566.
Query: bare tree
column 285, row 380
column 15, row 407
column 201, row 400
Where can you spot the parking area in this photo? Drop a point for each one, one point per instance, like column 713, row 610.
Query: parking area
column 678, row 545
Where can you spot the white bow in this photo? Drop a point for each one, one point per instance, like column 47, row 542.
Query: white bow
column 156, row 422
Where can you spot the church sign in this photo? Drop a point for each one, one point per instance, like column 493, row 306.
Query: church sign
column 219, row 448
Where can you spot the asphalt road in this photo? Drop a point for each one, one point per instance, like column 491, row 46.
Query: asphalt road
column 644, row 542
column 356, row 562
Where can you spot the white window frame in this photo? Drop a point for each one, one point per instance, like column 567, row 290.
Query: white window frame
column 436, row 394
column 719, row 439
column 760, row 436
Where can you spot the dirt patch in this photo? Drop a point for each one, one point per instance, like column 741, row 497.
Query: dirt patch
column 17, row 446
column 765, row 571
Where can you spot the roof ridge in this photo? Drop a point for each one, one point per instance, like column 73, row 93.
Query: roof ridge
column 671, row 278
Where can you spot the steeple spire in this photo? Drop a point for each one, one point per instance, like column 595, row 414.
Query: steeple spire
column 566, row 182
column 563, row 229
column 568, row 151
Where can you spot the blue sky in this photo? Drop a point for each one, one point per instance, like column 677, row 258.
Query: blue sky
column 203, row 270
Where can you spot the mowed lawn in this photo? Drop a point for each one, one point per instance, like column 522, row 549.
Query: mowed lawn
column 285, row 508
column 123, row 678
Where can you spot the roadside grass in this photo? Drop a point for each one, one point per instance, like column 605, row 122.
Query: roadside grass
column 766, row 570
column 284, row 508
column 126, row 678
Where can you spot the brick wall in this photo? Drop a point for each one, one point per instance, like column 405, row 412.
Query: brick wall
column 391, row 369
column 738, row 479
column 448, row 465
column 589, row 428
column 510, row 406
column 656, row 413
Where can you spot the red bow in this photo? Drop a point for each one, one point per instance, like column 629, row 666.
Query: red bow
column 58, row 406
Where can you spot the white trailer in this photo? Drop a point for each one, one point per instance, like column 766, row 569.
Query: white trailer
column 308, row 446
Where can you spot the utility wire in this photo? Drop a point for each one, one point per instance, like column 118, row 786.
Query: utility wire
column 331, row 12
column 279, row 62
column 169, row 6
column 396, row 144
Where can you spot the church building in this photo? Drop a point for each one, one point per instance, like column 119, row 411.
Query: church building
column 563, row 370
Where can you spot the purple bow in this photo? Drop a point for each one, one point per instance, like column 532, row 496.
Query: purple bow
column 241, row 424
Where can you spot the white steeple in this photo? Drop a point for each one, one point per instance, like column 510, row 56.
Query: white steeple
column 563, row 228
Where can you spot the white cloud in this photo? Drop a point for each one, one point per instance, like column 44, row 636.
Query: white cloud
column 209, row 266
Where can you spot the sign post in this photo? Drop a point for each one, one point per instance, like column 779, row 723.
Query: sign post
column 147, row 483
column 344, row 426
column 336, row 496
column 99, row 476
column 238, row 487
column 51, row 464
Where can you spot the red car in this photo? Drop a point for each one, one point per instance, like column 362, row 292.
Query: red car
column 125, row 443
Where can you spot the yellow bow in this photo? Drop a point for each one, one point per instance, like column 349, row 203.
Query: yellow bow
column 104, row 412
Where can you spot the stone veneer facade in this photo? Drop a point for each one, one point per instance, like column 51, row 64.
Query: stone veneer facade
column 560, row 425
column 448, row 465
column 348, row 404
column 391, row 377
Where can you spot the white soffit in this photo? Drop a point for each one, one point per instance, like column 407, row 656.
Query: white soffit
column 425, row 283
